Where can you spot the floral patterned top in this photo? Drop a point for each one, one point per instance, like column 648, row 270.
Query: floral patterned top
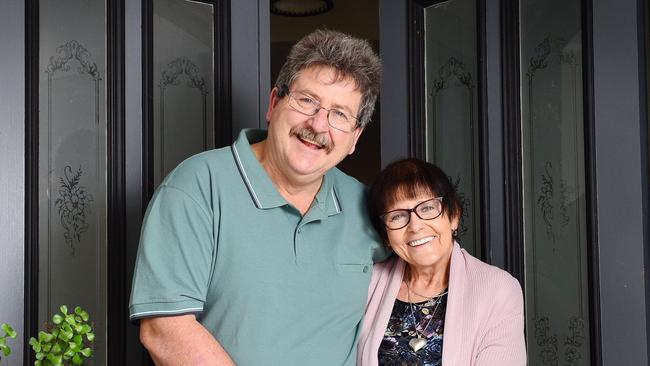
column 429, row 319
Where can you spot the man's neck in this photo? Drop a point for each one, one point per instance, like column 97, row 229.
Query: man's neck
column 298, row 192
column 300, row 197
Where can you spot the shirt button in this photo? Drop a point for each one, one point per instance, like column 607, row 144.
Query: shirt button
column 299, row 231
column 365, row 269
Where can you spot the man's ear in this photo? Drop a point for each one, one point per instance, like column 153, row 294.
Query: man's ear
column 274, row 99
column 356, row 133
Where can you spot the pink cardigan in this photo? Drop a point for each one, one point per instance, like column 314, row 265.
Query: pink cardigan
column 484, row 322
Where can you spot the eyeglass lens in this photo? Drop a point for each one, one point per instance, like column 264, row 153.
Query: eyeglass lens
column 427, row 210
column 310, row 106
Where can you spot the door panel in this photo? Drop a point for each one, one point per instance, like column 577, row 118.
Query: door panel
column 555, row 240
column 451, row 107
column 183, row 96
column 72, row 162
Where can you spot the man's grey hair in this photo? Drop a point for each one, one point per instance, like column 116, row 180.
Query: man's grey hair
column 351, row 58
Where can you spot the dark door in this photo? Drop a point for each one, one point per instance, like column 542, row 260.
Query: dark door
column 504, row 120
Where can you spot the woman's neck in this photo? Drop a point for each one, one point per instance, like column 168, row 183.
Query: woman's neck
column 426, row 282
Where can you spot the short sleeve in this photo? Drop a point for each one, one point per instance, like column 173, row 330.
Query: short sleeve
column 175, row 256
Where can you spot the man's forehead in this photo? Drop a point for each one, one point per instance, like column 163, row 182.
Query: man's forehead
column 326, row 75
column 312, row 79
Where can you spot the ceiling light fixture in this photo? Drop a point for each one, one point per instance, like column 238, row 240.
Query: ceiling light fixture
column 300, row 8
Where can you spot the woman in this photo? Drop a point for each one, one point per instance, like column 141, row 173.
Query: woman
column 433, row 303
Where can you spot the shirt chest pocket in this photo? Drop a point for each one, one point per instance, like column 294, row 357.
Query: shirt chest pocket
column 354, row 269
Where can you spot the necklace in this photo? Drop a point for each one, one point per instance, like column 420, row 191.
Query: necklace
column 417, row 343
column 426, row 296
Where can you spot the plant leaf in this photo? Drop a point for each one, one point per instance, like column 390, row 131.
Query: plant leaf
column 45, row 337
column 77, row 339
column 70, row 352
column 56, row 360
column 84, row 315
column 64, row 309
column 72, row 346
column 36, row 346
column 90, row 336
column 66, row 336
column 8, row 330
column 87, row 352
column 57, row 319
column 77, row 360
column 56, row 348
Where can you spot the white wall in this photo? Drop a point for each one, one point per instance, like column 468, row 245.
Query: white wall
column 12, row 171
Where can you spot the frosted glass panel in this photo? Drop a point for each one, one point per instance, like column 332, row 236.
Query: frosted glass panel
column 554, row 183
column 451, row 105
column 183, row 82
column 72, row 162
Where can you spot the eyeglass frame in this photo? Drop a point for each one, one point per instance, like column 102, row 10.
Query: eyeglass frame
column 285, row 91
column 413, row 210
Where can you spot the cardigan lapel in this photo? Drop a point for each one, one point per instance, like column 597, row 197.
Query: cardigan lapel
column 452, row 344
column 394, row 279
column 384, row 286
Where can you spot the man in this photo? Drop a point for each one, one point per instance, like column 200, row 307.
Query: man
column 261, row 253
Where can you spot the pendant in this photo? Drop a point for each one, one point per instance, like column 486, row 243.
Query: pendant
column 417, row 343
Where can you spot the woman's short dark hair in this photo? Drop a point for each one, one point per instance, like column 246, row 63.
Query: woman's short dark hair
column 407, row 179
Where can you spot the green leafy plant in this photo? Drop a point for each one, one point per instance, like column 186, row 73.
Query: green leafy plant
column 9, row 333
column 65, row 342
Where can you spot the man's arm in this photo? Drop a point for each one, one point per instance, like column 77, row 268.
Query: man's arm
column 181, row 340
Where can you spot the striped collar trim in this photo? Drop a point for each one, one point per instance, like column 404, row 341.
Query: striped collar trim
column 336, row 207
column 244, row 176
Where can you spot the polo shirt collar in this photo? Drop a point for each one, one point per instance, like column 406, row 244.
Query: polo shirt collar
column 262, row 190
column 326, row 202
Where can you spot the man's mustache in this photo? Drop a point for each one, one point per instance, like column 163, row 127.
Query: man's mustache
column 308, row 133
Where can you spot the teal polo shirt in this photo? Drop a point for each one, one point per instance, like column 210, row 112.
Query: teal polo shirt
column 274, row 287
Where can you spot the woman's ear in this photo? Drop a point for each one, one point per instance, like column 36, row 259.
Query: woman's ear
column 454, row 226
column 455, row 222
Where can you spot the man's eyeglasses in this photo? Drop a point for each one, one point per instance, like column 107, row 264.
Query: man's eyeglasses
column 309, row 106
column 426, row 210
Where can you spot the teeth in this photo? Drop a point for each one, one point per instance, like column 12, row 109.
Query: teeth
column 421, row 241
column 312, row 142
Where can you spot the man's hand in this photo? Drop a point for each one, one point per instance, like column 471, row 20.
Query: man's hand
column 181, row 340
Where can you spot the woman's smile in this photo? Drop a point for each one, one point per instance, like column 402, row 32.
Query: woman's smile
column 421, row 241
